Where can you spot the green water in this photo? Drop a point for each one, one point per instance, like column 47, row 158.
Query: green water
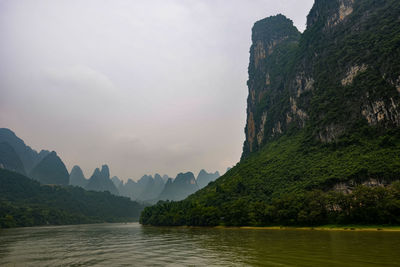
column 135, row 245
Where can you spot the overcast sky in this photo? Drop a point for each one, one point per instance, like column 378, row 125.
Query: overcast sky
column 144, row 86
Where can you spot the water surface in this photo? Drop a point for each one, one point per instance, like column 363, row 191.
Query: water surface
column 135, row 245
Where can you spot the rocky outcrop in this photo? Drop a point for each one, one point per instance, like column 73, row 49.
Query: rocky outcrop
column 352, row 73
column 268, row 36
column 349, row 186
column 381, row 111
column 330, row 12
column 327, row 81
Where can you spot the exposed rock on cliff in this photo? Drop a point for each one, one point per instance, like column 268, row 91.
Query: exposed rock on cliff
column 339, row 74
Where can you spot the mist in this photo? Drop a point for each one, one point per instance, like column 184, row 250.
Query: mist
column 144, row 86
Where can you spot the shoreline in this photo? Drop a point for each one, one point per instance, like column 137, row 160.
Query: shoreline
column 344, row 228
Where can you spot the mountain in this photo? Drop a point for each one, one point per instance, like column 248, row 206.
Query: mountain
column 183, row 185
column 29, row 157
column 322, row 132
column 165, row 178
column 77, row 178
column 146, row 188
column 152, row 189
column 130, row 189
column 9, row 159
column 25, row 202
column 204, row 178
column 117, row 182
column 51, row 170
column 100, row 181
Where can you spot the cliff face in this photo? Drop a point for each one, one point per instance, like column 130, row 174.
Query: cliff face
column 340, row 75
column 270, row 38
column 322, row 121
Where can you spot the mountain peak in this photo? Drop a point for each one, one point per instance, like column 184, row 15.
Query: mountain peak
column 105, row 171
column 51, row 170
column 77, row 178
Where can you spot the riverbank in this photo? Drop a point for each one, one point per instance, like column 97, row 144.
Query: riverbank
column 360, row 228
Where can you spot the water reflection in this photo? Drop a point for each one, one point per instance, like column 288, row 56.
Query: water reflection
column 134, row 245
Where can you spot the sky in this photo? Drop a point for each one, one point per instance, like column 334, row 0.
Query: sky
column 145, row 86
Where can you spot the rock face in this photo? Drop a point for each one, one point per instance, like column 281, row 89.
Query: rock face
column 328, row 81
column 51, row 170
column 270, row 37
column 9, row 159
column 100, row 181
column 27, row 155
column 77, row 178
column 204, row 178
column 178, row 189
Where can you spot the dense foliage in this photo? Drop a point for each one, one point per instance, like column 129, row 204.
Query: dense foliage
column 289, row 182
column 25, row 202
column 323, row 110
column 365, row 205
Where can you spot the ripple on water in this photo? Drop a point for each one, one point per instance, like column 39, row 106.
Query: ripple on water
column 134, row 245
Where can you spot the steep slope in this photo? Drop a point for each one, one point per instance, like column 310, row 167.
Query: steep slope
column 51, row 170
column 25, row 202
column 77, row 178
column 183, row 185
column 29, row 157
column 100, row 181
column 204, row 178
column 9, row 159
column 322, row 132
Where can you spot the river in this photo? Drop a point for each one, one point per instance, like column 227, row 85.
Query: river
column 134, row 245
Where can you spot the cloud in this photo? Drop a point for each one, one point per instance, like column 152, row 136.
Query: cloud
column 145, row 86
column 81, row 79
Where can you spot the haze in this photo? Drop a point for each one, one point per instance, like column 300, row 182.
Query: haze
column 144, row 86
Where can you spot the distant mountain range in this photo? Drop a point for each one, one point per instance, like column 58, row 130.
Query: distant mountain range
column 47, row 168
column 100, row 181
column 25, row 202
column 28, row 156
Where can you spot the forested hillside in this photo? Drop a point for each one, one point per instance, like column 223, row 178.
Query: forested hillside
column 25, row 202
column 322, row 132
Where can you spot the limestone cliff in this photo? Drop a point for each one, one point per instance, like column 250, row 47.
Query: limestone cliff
column 340, row 75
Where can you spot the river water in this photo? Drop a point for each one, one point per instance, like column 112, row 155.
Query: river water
column 135, row 245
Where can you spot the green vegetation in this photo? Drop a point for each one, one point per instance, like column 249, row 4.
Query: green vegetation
column 288, row 182
column 25, row 202
column 323, row 113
